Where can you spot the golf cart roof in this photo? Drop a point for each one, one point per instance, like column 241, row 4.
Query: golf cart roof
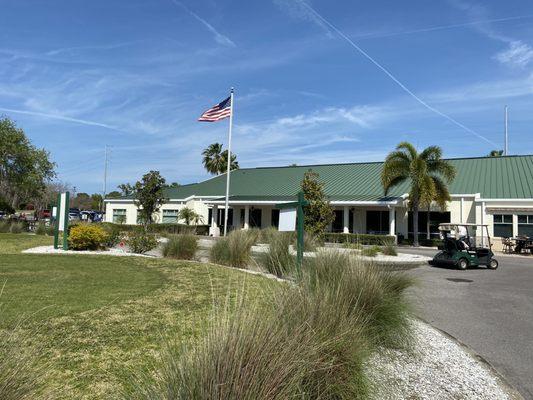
column 448, row 225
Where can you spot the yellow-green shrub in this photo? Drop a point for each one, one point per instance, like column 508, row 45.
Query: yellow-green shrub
column 87, row 237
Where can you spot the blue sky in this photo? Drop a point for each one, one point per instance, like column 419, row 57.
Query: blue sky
column 136, row 74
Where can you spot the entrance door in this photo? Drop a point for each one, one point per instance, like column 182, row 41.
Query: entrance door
column 255, row 218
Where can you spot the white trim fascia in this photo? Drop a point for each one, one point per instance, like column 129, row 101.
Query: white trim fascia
column 466, row 195
column 507, row 200
column 334, row 203
column 118, row 200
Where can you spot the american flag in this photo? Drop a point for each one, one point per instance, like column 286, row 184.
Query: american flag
column 216, row 113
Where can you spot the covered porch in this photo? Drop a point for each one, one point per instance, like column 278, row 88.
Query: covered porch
column 378, row 217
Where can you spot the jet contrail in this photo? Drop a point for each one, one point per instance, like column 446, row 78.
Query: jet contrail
column 393, row 78
column 60, row 117
column 441, row 27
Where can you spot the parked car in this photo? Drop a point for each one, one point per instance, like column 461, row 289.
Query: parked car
column 74, row 214
column 44, row 214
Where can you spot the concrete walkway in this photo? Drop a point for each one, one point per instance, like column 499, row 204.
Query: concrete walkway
column 489, row 311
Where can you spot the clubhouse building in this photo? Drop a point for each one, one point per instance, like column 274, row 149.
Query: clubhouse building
column 497, row 191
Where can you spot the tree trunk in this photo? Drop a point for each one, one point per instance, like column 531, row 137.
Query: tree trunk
column 428, row 233
column 415, row 225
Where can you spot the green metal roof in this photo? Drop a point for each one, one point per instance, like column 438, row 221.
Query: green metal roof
column 493, row 177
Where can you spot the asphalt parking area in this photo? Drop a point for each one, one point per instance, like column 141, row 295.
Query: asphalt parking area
column 491, row 311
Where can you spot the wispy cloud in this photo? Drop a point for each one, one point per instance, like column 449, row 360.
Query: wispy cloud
column 518, row 53
column 219, row 37
column 297, row 9
column 362, row 116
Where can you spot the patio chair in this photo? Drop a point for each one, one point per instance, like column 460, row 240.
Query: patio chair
column 508, row 245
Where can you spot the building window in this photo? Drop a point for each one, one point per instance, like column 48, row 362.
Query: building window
column 119, row 215
column 140, row 219
column 503, row 225
column 435, row 219
column 170, row 216
column 377, row 222
column 525, row 225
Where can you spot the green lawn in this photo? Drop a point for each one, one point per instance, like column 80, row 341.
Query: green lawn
column 96, row 318
column 14, row 243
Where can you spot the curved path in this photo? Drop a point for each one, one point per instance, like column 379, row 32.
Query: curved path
column 490, row 311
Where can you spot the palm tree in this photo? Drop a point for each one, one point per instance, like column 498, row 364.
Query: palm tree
column 496, row 153
column 213, row 158
column 189, row 215
column 216, row 161
column 234, row 162
column 427, row 172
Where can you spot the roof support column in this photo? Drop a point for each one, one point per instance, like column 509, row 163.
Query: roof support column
column 214, row 230
column 346, row 219
column 392, row 221
column 246, row 216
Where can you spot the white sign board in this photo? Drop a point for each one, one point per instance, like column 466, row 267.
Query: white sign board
column 287, row 220
column 61, row 210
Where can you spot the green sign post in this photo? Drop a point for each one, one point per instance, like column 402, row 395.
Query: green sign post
column 299, row 206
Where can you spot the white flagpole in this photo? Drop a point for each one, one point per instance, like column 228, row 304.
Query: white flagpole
column 229, row 165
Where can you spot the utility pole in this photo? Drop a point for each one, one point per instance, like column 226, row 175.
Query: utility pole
column 506, row 118
column 105, row 177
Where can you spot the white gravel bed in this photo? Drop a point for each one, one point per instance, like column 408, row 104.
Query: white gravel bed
column 401, row 258
column 438, row 368
column 109, row 252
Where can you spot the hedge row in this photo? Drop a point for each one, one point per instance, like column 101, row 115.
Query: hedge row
column 422, row 241
column 162, row 228
column 361, row 238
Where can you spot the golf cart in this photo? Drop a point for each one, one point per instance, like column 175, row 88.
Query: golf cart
column 465, row 245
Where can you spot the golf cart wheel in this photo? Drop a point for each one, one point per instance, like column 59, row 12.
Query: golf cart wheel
column 493, row 264
column 462, row 264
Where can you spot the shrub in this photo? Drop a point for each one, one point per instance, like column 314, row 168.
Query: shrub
column 40, row 229
column 278, row 260
column 234, row 250
column 141, row 242
column 181, row 246
column 16, row 227
column 360, row 238
column 371, row 251
column 87, row 237
column 114, row 234
column 389, row 250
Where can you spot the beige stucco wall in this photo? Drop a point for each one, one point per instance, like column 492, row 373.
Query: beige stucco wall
column 131, row 210
column 465, row 209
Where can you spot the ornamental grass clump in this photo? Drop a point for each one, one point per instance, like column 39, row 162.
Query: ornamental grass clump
column 278, row 260
column 16, row 227
column 375, row 291
column 4, row 226
column 235, row 250
column 389, row 250
column 40, row 229
column 181, row 247
column 21, row 377
column 304, row 341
